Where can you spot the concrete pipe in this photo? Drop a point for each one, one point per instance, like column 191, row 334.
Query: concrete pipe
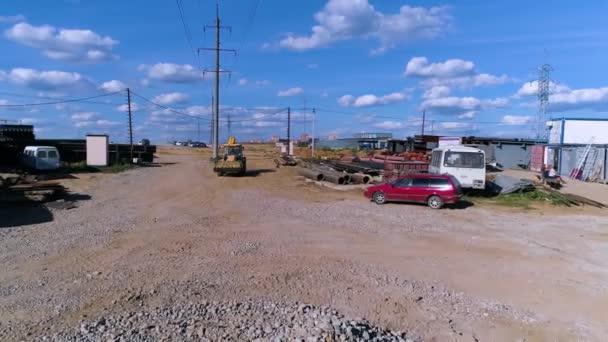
column 310, row 173
column 347, row 178
column 334, row 177
column 360, row 178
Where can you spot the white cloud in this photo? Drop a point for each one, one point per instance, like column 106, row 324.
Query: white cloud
column 458, row 126
column 12, row 18
column 263, row 123
column 592, row 98
column 451, row 73
column 468, row 115
column 389, row 125
column 371, row 100
column 173, row 73
column 64, row 44
column 50, row 94
column 263, row 83
column 84, row 116
column 436, row 92
column 461, row 106
column 258, row 83
column 290, row 92
column 30, row 121
column 171, row 98
column 420, row 67
column 531, row 89
column 45, row 80
column 107, row 123
column 515, row 120
column 468, row 82
column 125, row 107
column 112, row 86
column 346, row 100
column 341, row 20
column 312, row 66
column 90, row 120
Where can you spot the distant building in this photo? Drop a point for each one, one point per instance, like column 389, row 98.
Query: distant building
column 359, row 140
column 275, row 139
column 332, row 137
column 304, row 137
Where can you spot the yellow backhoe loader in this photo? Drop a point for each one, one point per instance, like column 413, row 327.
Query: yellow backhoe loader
column 232, row 160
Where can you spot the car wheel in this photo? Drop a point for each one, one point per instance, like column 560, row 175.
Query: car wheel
column 379, row 197
column 435, row 202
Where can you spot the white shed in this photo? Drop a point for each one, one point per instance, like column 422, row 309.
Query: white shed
column 575, row 131
column 98, row 152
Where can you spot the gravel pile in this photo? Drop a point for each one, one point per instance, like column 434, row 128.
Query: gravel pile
column 232, row 321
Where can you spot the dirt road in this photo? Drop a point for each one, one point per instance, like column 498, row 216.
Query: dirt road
column 177, row 233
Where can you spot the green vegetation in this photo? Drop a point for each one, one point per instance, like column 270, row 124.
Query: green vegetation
column 78, row 167
column 118, row 167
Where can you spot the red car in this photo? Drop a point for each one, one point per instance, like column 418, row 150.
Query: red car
column 434, row 190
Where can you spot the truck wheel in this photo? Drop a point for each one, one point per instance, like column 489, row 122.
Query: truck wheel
column 379, row 197
column 435, row 202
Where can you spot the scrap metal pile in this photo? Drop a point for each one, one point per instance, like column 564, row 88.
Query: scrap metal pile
column 20, row 189
column 373, row 168
column 503, row 185
column 339, row 172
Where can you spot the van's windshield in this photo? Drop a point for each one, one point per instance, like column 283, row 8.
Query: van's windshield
column 471, row 160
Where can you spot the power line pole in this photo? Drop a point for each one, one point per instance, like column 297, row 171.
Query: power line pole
column 198, row 127
column 229, row 126
column 314, row 118
column 211, row 123
column 130, row 121
column 423, row 121
column 289, row 130
column 544, row 91
column 217, row 72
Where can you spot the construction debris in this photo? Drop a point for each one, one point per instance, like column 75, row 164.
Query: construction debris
column 286, row 160
column 505, row 185
column 27, row 189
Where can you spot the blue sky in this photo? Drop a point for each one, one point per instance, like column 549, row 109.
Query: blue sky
column 367, row 66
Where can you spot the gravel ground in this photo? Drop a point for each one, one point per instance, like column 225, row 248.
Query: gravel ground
column 233, row 321
column 155, row 242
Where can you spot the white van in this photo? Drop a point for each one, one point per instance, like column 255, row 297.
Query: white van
column 41, row 157
column 467, row 164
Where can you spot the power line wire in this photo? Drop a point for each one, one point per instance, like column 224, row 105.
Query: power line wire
column 201, row 118
column 84, row 99
column 248, row 26
column 397, row 118
column 167, row 108
column 186, row 30
column 50, row 98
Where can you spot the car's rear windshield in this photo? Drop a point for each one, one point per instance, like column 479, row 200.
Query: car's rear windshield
column 439, row 183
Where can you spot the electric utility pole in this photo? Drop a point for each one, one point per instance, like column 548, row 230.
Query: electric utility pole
column 130, row 121
column 423, row 121
column 314, row 118
column 211, row 125
column 217, row 72
column 289, row 130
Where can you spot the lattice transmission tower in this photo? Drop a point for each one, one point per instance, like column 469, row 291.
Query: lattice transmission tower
column 544, row 91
